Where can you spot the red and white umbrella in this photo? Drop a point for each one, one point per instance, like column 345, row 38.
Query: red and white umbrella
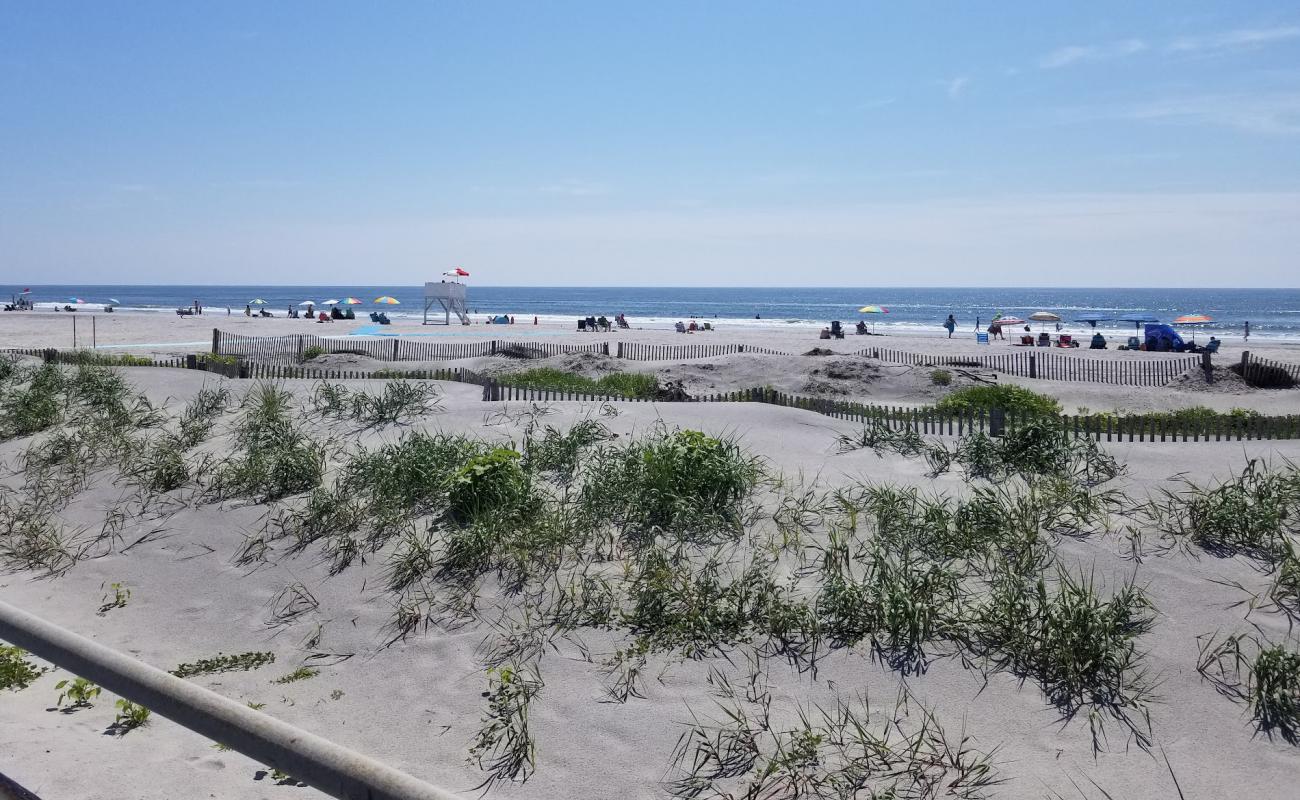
column 457, row 273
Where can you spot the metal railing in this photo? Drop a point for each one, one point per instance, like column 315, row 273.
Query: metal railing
column 334, row 770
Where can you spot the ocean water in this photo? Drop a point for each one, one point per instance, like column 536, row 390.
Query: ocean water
column 1271, row 312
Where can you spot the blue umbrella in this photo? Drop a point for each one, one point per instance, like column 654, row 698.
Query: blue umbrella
column 1139, row 320
column 1092, row 319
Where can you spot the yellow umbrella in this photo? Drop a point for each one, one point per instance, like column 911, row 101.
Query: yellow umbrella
column 387, row 301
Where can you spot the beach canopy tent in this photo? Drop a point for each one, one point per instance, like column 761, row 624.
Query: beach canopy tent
column 1139, row 320
column 1092, row 319
column 1162, row 338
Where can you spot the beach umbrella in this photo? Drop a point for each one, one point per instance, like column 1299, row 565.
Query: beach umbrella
column 329, row 302
column 1193, row 320
column 1001, row 320
column 387, row 300
column 114, row 301
column 258, row 302
column 1139, row 320
column 354, row 301
column 873, row 310
column 76, row 300
column 308, row 303
column 1045, row 317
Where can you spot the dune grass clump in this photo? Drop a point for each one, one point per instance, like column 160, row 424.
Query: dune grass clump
column 412, row 474
column 1015, row 400
column 399, row 402
column 897, row 600
column 201, row 415
column 493, row 487
column 561, row 453
column 1254, row 513
column 626, row 384
column 35, row 407
column 752, row 751
column 1080, row 646
column 698, row 608
column 880, row 436
column 680, row 481
column 274, row 459
column 1275, row 691
column 504, row 746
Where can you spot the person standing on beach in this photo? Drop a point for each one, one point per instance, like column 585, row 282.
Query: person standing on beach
column 951, row 324
column 1247, row 330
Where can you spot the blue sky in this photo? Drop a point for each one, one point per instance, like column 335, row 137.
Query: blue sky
column 677, row 143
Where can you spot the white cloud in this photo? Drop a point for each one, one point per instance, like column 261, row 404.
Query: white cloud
column 1074, row 54
column 1274, row 113
column 1231, row 40
column 955, row 86
column 575, row 187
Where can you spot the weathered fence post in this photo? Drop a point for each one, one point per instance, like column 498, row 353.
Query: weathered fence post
column 1207, row 366
column 191, row 361
column 1033, row 366
column 216, row 341
column 998, row 417
column 299, row 348
column 620, row 350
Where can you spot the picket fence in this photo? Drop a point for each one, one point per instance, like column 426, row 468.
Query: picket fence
column 926, row 421
column 1144, row 370
column 931, row 422
column 1266, row 372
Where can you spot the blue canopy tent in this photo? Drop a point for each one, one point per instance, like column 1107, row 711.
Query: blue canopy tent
column 1163, row 338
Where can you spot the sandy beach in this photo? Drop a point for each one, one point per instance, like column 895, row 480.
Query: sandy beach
column 209, row 574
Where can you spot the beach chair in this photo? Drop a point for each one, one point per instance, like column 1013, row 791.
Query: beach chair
column 836, row 330
column 1213, row 346
column 374, row 316
column 981, row 338
column 1044, row 339
column 1065, row 340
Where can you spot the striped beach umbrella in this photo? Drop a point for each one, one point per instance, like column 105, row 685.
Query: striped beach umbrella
column 387, row 300
column 76, row 300
column 1193, row 320
column 353, row 301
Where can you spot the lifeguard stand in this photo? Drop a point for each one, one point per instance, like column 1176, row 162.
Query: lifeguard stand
column 451, row 296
